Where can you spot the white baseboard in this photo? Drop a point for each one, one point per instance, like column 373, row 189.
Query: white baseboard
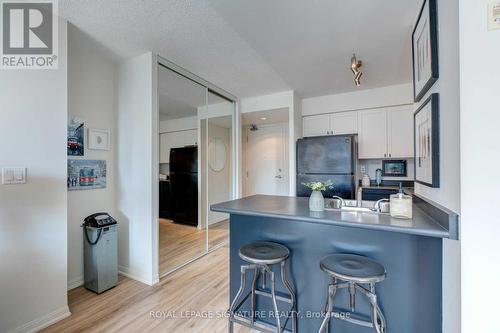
column 75, row 283
column 126, row 271
column 43, row 322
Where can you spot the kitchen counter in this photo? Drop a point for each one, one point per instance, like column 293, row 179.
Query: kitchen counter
column 410, row 251
column 297, row 209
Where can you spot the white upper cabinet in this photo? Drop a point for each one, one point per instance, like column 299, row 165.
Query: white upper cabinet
column 175, row 140
column 331, row 124
column 344, row 123
column 382, row 132
column 372, row 133
column 316, row 125
column 400, row 131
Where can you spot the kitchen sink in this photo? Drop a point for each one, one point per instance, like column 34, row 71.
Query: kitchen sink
column 352, row 206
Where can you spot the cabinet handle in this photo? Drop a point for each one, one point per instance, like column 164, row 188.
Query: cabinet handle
column 390, row 155
column 385, row 155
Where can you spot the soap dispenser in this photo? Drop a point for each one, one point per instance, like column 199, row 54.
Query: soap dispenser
column 401, row 204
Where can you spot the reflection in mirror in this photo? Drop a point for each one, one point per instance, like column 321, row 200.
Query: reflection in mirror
column 216, row 154
column 182, row 236
column 218, row 142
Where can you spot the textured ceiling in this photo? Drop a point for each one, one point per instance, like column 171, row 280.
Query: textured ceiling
column 257, row 47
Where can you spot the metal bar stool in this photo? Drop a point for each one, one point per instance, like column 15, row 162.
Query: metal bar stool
column 355, row 273
column 260, row 256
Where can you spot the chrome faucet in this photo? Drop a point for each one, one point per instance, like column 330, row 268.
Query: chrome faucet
column 359, row 197
column 342, row 202
column 376, row 206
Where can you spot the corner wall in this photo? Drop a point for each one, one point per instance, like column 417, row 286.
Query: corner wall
column 91, row 98
column 480, row 157
column 137, row 161
column 33, row 216
column 448, row 194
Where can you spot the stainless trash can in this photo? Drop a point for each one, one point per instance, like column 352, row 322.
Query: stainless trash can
column 100, row 255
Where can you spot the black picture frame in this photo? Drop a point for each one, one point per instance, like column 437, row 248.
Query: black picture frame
column 404, row 173
column 434, row 140
column 432, row 16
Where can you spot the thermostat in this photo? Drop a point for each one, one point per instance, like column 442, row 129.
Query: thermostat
column 494, row 16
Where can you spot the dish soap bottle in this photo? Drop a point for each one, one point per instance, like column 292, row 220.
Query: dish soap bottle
column 401, row 205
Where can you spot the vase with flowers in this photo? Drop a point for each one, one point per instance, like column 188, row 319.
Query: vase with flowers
column 316, row 200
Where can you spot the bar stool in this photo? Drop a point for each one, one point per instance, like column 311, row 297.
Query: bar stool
column 261, row 256
column 356, row 273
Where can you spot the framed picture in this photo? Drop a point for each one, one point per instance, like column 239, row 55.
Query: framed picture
column 425, row 50
column 86, row 174
column 394, row 168
column 99, row 139
column 426, row 131
column 75, row 140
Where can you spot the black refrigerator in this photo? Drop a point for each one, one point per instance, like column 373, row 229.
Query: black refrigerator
column 184, row 185
column 327, row 158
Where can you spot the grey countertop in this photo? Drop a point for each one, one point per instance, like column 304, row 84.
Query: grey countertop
column 297, row 209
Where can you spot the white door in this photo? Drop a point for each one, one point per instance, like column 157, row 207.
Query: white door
column 267, row 161
column 372, row 133
column 400, row 133
column 344, row 123
column 316, row 125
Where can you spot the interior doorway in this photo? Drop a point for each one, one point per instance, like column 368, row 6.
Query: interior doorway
column 265, row 152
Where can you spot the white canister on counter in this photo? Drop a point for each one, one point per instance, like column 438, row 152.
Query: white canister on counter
column 365, row 181
column 401, row 205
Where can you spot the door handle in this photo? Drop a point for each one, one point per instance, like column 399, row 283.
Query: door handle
column 278, row 176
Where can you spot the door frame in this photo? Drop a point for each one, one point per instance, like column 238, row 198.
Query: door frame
column 284, row 147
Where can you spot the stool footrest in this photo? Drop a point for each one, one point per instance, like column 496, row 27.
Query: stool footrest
column 353, row 318
column 268, row 294
column 257, row 324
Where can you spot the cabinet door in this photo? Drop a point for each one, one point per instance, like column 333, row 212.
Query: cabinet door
column 400, row 131
column 372, row 133
column 344, row 123
column 316, row 125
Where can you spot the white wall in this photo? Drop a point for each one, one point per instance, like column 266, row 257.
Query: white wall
column 357, row 100
column 181, row 124
column 448, row 194
column 33, row 232
column 91, row 98
column 137, row 174
column 479, row 142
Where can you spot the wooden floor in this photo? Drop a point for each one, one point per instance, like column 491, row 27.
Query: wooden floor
column 181, row 243
column 199, row 287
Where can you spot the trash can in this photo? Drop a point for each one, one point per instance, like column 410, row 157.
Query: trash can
column 100, row 255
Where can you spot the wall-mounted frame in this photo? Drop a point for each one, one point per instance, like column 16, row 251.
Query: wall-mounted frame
column 426, row 131
column 99, row 139
column 425, row 50
column 394, row 168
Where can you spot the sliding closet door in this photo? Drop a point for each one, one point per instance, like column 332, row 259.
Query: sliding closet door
column 182, row 234
column 218, row 141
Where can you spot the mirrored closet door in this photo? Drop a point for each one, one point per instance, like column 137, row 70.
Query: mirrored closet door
column 218, row 164
column 182, row 236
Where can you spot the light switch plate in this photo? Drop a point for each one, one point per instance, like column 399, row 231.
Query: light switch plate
column 494, row 16
column 13, row 176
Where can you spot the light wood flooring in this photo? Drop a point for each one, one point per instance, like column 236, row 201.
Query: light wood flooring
column 180, row 243
column 200, row 286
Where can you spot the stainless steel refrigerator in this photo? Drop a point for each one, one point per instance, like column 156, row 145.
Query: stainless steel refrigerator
column 184, row 185
column 328, row 158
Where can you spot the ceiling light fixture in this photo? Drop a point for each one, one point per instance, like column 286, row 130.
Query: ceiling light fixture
column 263, row 118
column 355, row 66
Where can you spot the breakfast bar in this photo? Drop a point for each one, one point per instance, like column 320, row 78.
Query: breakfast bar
column 410, row 250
